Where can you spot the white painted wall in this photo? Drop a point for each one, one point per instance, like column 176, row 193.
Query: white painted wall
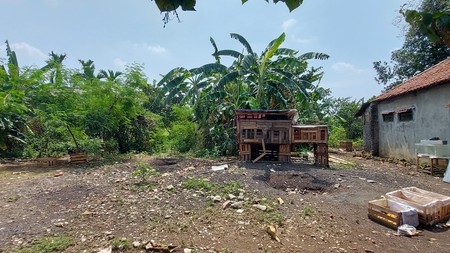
column 431, row 119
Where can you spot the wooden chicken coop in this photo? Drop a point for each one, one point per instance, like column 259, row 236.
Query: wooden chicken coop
column 271, row 134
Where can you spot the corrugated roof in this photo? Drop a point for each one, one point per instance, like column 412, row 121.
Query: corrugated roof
column 436, row 75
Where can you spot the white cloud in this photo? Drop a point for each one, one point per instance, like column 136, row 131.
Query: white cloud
column 29, row 51
column 346, row 67
column 120, row 63
column 156, row 49
column 288, row 24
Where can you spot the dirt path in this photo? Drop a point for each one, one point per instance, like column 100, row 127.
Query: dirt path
column 187, row 205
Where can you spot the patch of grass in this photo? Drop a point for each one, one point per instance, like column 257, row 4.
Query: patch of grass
column 48, row 245
column 275, row 218
column 183, row 228
column 143, row 186
column 308, row 211
column 13, row 198
column 209, row 203
column 120, row 244
column 199, row 184
column 231, row 187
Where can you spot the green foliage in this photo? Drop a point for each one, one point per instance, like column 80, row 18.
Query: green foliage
column 308, row 211
column 144, row 172
column 198, row 184
column 417, row 53
column 433, row 23
column 48, row 245
column 274, row 217
column 343, row 124
column 120, row 244
column 337, row 134
column 54, row 110
column 183, row 135
column 231, row 187
column 189, row 5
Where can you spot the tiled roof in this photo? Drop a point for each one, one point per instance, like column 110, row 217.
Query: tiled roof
column 437, row 74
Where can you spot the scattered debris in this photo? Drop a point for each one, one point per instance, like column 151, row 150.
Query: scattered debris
column 219, row 167
column 58, row 174
column 136, row 244
column 106, row 250
column 272, row 231
column 216, row 198
column 407, row 230
column 280, row 201
column 158, row 247
column 261, row 207
column 87, row 213
column 226, row 204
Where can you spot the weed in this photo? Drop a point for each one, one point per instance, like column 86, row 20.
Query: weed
column 13, row 198
column 144, row 171
column 307, row 211
column 209, row 203
column 183, row 228
column 198, row 184
column 48, row 245
column 231, row 187
column 274, row 218
column 170, row 227
column 120, row 244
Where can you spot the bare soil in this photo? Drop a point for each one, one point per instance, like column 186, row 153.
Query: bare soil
column 308, row 208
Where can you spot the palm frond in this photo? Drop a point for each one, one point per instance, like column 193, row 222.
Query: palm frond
column 314, row 55
column 229, row 52
column 243, row 41
column 208, row 68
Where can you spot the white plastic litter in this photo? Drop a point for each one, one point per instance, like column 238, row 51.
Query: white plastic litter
column 219, row 167
column 409, row 214
column 407, row 230
column 447, row 174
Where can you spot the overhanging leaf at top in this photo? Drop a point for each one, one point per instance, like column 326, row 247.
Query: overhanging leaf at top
column 171, row 5
column 189, row 5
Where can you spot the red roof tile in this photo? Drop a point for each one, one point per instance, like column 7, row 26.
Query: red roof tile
column 437, row 74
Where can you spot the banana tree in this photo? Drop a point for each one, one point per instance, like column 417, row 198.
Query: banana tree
column 13, row 105
column 271, row 83
column 185, row 86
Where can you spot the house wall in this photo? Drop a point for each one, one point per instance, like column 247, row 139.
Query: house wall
column 370, row 129
column 431, row 118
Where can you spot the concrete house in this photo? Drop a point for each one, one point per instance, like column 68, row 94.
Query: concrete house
column 418, row 109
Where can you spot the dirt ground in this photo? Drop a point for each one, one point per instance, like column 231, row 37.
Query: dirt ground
column 190, row 208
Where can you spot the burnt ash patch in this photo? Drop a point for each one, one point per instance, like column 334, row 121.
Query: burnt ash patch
column 297, row 181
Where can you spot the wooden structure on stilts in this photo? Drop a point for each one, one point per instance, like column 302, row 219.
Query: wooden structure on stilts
column 271, row 134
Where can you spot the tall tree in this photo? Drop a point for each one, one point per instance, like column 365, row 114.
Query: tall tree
column 55, row 67
column 435, row 24
column 417, row 53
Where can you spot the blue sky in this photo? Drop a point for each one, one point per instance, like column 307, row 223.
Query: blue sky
column 354, row 33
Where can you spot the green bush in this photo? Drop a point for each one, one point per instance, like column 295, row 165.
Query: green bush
column 183, row 136
column 337, row 134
